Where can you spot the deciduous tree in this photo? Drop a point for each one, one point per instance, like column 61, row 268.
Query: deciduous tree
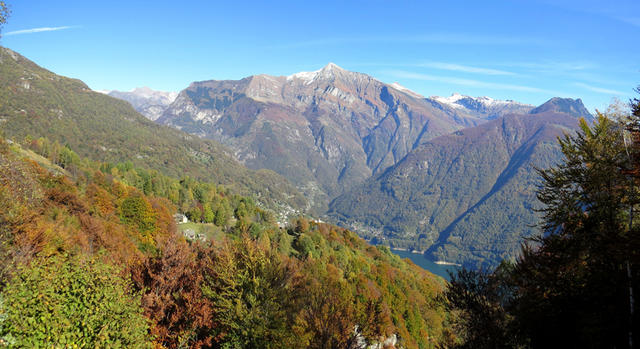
column 65, row 302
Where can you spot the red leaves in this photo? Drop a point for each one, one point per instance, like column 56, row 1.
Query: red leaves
column 172, row 297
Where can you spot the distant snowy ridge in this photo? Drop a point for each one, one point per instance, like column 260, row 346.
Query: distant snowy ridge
column 488, row 106
column 146, row 101
column 455, row 98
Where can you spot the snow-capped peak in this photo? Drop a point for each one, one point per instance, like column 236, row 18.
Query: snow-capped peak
column 146, row 92
column 460, row 101
column 332, row 66
column 451, row 100
column 329, row 70
column 307, row 76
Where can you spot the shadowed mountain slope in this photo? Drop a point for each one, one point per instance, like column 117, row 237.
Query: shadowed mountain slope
column 468, row 197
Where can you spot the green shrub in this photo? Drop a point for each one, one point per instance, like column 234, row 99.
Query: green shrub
column 61, row 302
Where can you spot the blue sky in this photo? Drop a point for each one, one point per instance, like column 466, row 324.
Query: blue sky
column 523, row 50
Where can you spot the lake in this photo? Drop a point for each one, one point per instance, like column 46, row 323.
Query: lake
column 428, row 264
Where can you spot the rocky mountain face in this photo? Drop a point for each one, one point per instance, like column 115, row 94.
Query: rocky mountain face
column 148, row 102
column 326, row 131
column 467, row 197
column 564, row 105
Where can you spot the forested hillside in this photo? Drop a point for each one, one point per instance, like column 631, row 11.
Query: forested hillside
column 90, row 256
column 37, row 103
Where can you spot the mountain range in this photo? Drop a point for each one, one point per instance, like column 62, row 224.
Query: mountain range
column 451, row 176
column 326, row 131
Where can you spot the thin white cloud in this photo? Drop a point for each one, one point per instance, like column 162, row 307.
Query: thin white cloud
column 39, row 30
column 436, row 38
column 618, row 10
column 474, row 39
column 600, row 89
column 553, row 67
column 464, row 68
column 580, row 70
column 635, row 21
column 468, row 82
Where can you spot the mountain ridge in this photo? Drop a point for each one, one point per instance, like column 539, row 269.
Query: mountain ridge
column 325, row 130
column 563, row 105
column 346, row 128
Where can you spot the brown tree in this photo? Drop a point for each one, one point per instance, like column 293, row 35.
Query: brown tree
column 172, row 296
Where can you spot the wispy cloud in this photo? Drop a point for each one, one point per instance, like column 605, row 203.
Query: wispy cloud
column 464, row 68
column 461, row 68
column 552, row 66
column 39, row 30
column 473, row 39
column 618, row 10
column 600, row 89
column 434, row 38
column 635, row 21
column 468, row 82
column 590, row 72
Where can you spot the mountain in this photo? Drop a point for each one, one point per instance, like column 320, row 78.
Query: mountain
column 38, row 103
column 484, row 107
column 468, row 197
column 148, row 102
column 564, row 105
column 326, row 131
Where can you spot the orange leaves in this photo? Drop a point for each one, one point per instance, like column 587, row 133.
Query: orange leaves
column 172, row 296
column 164, row 222
column 67, row 198
column 100, row 200
column 46, row 213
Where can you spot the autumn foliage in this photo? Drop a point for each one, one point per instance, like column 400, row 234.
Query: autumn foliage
column 310, row 285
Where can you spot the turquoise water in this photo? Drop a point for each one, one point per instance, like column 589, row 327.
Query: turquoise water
column 425, row 263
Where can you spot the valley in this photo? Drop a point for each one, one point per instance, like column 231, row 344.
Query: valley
column 402, row 170
column 319, row 175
